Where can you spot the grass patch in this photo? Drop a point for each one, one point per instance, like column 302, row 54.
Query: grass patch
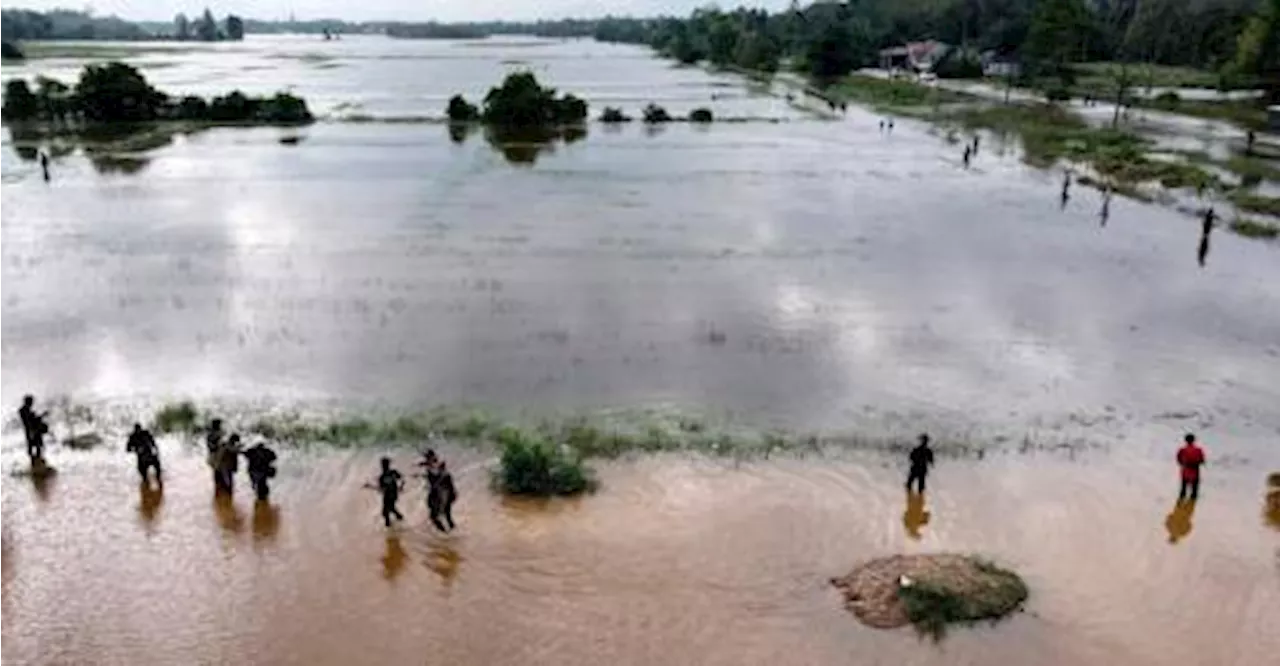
column 932, row 605
column 1050, row 133
column 537, row 467
column 1251, row 168
column 891, row 93
column 1250, row 228
column 1256, row 203
column 1249, row 114
column 181, row 417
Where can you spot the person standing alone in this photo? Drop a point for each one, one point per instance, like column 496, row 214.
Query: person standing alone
column 921, row 460
column 1190, row 457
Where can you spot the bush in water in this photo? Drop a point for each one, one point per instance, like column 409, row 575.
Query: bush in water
column 614, row 115
column 522, row 102
column 702, row 115
column 462, row 111
column 538, row 467
column 656, row 114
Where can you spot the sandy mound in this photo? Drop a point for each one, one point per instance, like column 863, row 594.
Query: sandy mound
column 943, row 588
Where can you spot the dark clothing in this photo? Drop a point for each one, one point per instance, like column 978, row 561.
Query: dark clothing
column 143, row 445
column 261, row 468
column 389, row 485
column 440, row 497
column 34, row 427
column 921, row 459
column 1192, row 485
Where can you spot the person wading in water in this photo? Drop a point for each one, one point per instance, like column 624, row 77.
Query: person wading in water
column 441, row 494
column 262, row 466
column 390, row 484
column 921, row 459
column 1190, row 457
column 143, row 445
column 34, row 428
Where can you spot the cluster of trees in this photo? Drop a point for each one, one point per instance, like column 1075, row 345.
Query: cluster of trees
column 205, row 28
column 117, row 93
column 24, row 24
column 520, row 103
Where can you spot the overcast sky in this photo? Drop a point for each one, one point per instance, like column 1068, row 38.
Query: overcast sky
column 419, row 10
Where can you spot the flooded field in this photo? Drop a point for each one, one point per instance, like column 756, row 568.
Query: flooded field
column 805, row 275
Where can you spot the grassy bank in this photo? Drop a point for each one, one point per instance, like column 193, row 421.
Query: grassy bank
column 1050, row 133
column 892, row 94
column 598, row 435
column 1251, row 228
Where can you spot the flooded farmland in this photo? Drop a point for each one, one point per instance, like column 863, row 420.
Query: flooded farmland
column 789, row 273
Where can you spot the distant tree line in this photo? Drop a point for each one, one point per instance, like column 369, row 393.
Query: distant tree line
column 118, row 93
column 24, row 24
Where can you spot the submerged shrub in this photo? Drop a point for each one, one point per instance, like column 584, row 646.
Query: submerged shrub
column 701, row 115
column 462, row 111
column 614, row 115
column 656, row 114
column 533, row 466
column 179, row 417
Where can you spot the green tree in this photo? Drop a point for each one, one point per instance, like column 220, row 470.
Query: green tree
column 235, row 28
column 1055, row 35
column 206, row 28
column 19, row 102
column 181, row 27
column 116, row 92
column 1257, row 49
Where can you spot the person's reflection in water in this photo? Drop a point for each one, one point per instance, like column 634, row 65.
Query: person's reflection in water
column 393, row 559
column 149, row 500
column 43, row 478
column 443, row 560
column 915, row 516
column 1178, row 522
column 224, row 508
column 1271, row 509
column 266, row 522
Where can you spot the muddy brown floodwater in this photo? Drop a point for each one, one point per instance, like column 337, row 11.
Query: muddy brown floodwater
column 805, row 274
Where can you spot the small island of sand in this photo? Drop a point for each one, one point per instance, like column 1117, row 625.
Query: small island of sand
column 930, row 591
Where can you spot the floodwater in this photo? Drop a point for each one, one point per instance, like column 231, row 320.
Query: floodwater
column 806, row 274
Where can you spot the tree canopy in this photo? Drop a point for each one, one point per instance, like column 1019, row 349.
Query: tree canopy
column 118, row 93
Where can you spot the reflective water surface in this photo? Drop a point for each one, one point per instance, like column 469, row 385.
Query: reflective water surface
column 807, row 274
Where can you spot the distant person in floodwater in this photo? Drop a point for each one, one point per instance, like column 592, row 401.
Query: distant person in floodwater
column 1190, row 458
column 1105, row 213
column 882, row 125
column 262, row 467
column 143, row 445
column 891, row 125
column 390, row 483
column 44, row 164
column 34, row 428
column 921, row 459
column 977, row 139
column 968, row 152
column 1248, row 142
column 226, row 464
column 1066, row 188
column 1206, row 228
column 441, row 494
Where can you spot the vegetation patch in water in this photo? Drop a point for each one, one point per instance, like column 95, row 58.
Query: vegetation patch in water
column 931, row 592
column 179, row 417
column 533, row 466
column 891, row 93
column 1256, row 203
column 118, row 93
column 1254, row 228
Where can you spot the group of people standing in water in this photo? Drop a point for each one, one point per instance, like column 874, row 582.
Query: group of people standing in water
column 223, row 453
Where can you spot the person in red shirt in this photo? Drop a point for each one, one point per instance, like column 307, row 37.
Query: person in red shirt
column 1190, row 458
